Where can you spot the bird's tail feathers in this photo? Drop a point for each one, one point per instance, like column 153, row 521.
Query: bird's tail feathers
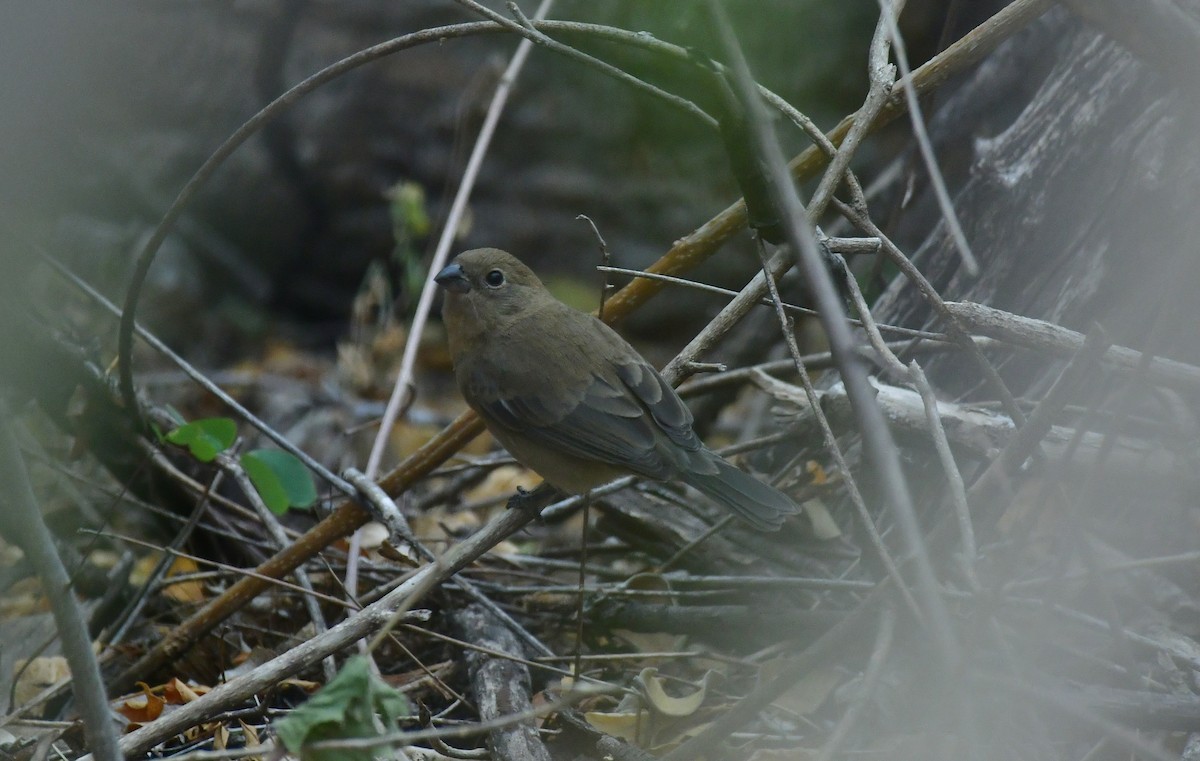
column 763, row 507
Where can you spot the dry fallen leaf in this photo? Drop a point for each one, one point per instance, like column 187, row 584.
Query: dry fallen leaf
column 221, row 737
column 667, row 705
column 184, row 591
column 141, row 709
column 36, row 675
column 625, row 725
column 177, row 692
column 823, row 525
column 501, row 483
column 250, row 738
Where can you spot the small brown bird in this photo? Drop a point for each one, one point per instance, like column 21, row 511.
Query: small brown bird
column 570, row 398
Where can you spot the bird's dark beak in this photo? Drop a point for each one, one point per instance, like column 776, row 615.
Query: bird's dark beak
column 453, row 279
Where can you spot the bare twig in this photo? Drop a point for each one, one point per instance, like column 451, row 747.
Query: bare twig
column 160, row 568
column 449, row 230
column 835, row 451
column 958, row 491
column 922, row 136
column 229, row 569
column 605, row 260
column 22, row 522
column 1046, row 336
column 385, row 510
column 890, row 361
column 956, row 330
column 765, row 301
column 815, row 361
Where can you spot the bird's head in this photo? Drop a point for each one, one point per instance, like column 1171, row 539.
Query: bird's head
column 484, row 288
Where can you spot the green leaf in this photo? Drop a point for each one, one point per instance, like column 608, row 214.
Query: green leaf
column 345, row 708
column 282, row 480
column 205, row 438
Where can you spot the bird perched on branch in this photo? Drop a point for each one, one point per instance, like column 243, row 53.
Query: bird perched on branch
column 571, row 399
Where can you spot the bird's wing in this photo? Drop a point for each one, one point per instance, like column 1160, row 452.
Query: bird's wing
column 655, row 395
column 619, row 419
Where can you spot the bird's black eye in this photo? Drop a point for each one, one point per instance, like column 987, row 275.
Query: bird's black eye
column 494, row 279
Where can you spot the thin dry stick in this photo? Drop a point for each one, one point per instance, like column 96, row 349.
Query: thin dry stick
column 835, row 451
column 766, row 301
column 881, row 77
column 449, row 231
column 914, row 375
column 923, row 142
column 953, row 324
column 587, row 497
column 533, row 664
column 1046, row 336
column 224, row 567
column 134, row 608
column 958, row 491
column 529, row 31
column 686, row 549
column 890, row 361
column 23, row 521
column 815, row 361
column 123, row 497
column 385, row 510
column 159, row 459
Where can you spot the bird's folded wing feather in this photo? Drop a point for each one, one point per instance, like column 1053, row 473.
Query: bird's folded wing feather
column 620, row 419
